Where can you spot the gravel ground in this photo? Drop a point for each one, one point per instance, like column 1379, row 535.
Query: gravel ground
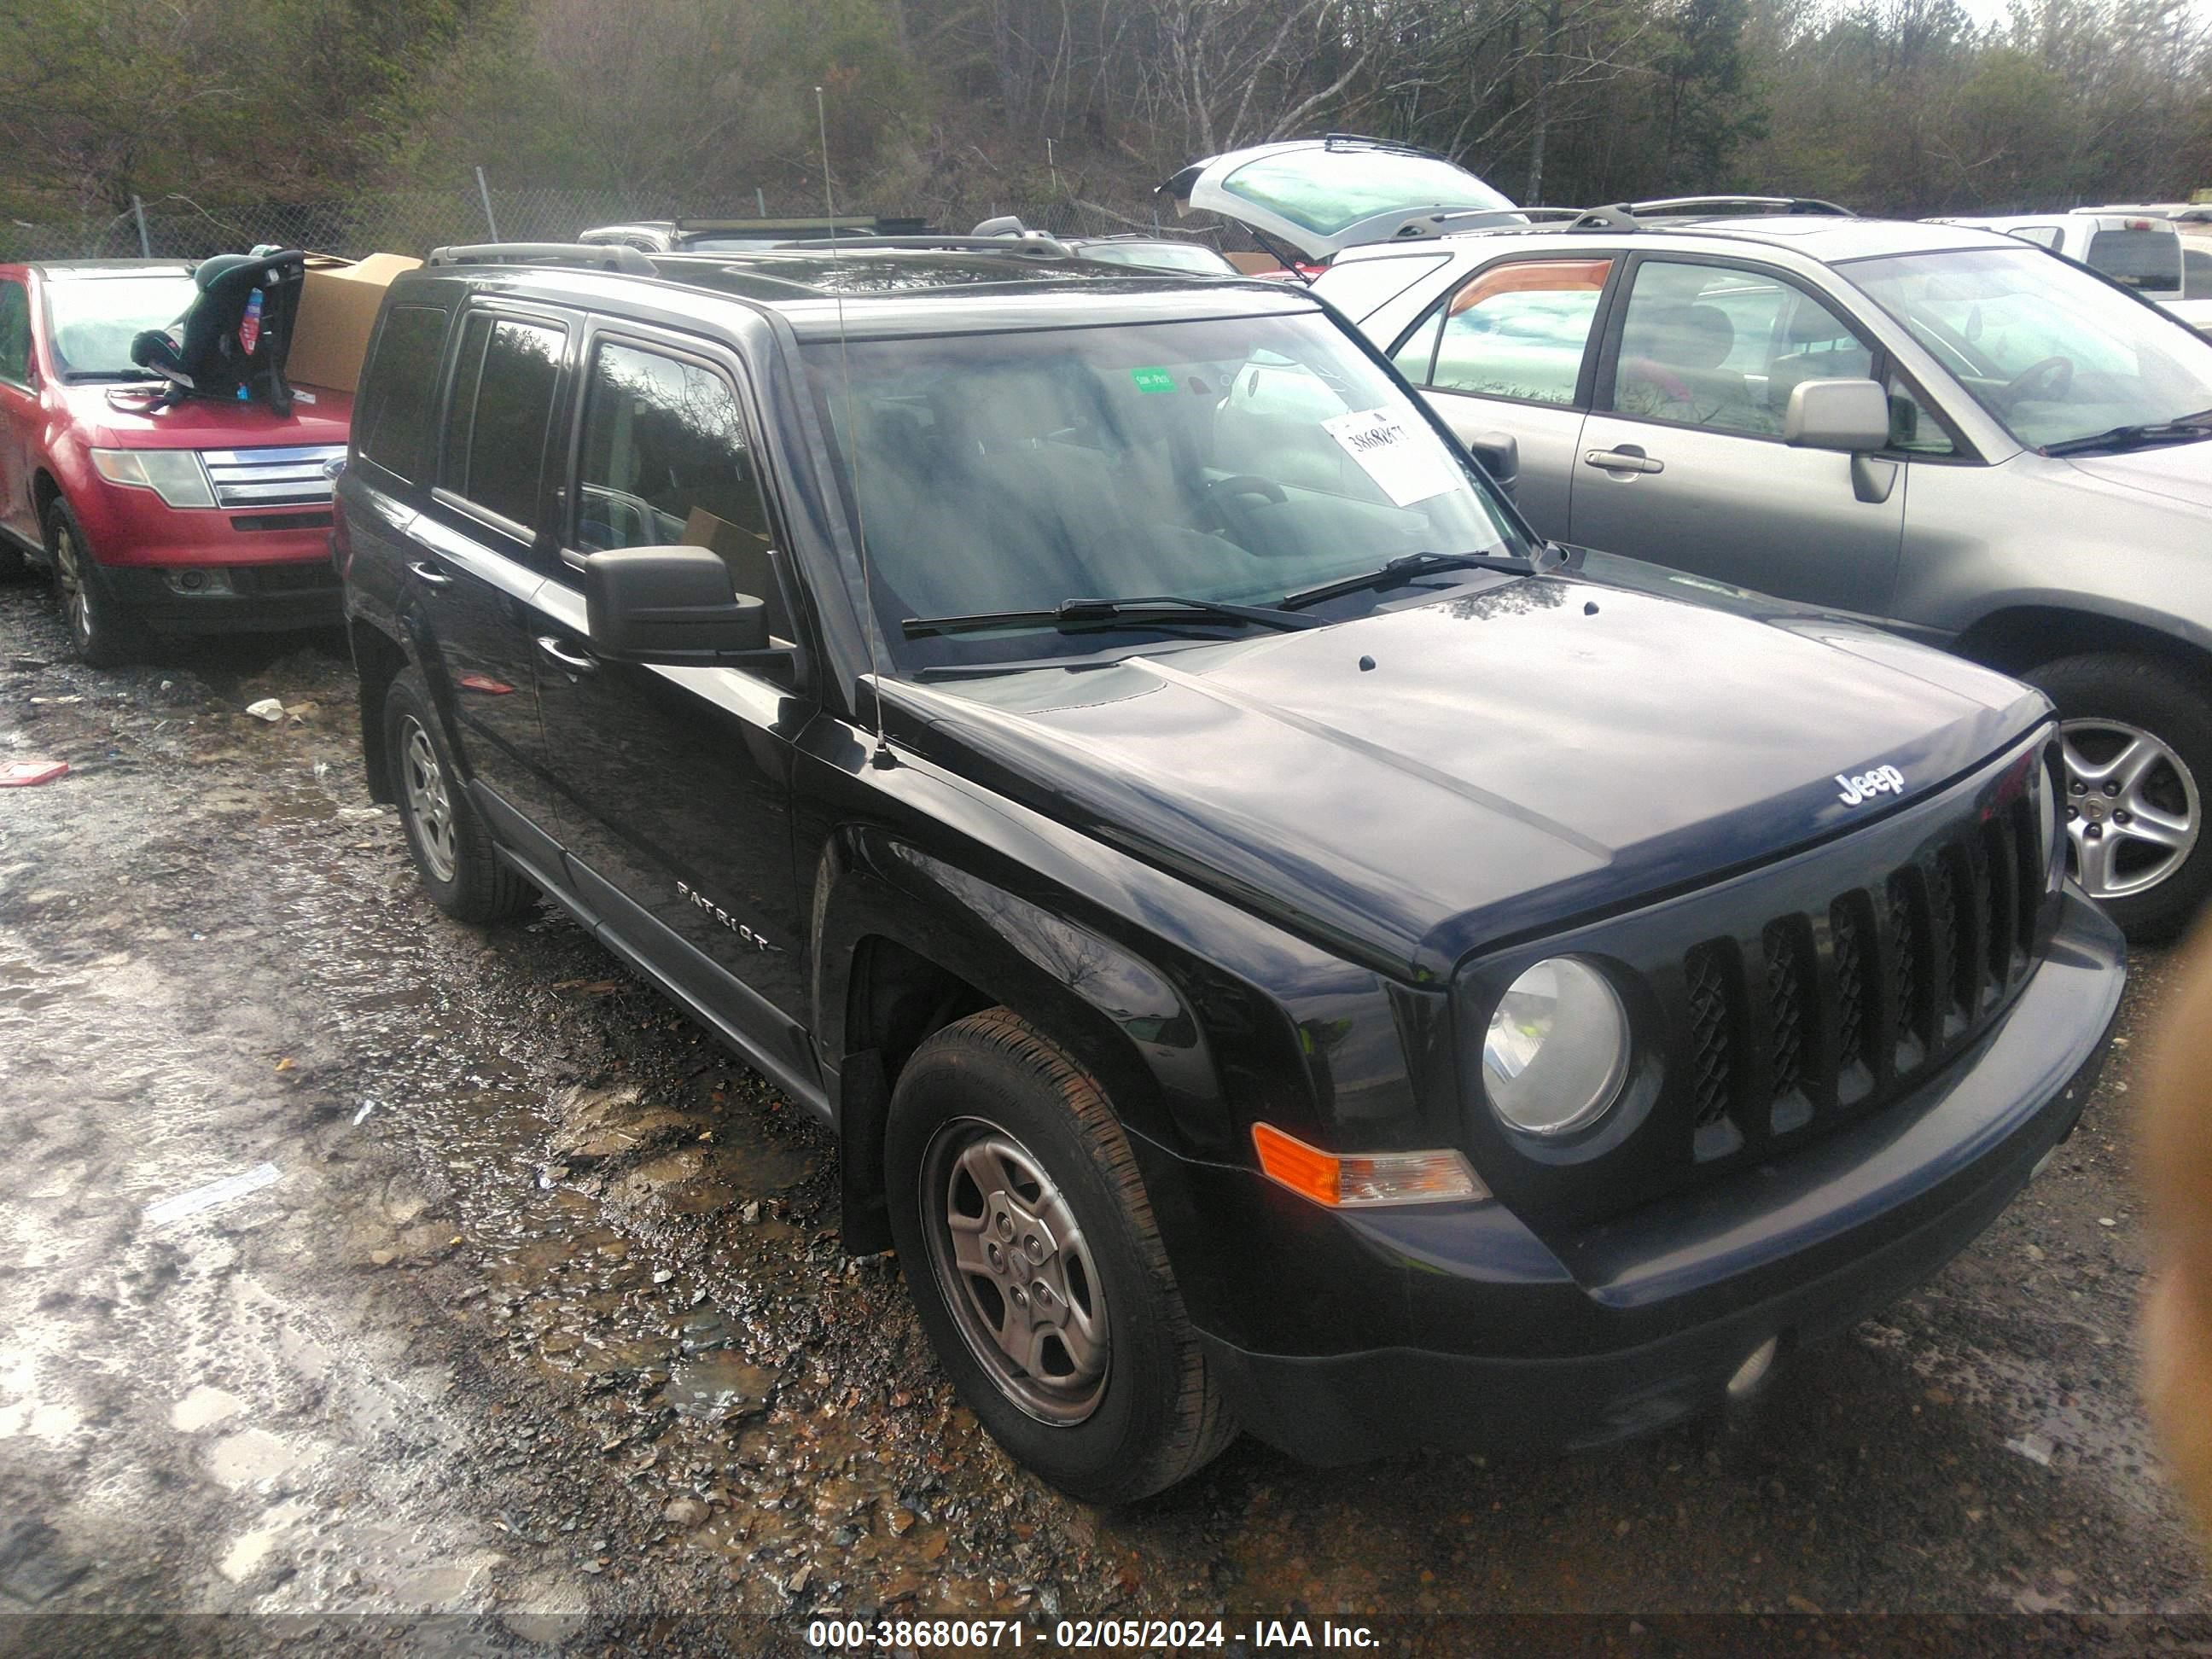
column 538, row 1324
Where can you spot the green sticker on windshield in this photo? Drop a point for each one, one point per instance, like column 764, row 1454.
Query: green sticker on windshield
column 1153, row 379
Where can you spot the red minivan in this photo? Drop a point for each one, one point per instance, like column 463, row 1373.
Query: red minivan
column 195, row 516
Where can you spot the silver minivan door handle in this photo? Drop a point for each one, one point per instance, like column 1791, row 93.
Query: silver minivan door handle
column 1622, row 460
column 567, row 661
column 429, row 575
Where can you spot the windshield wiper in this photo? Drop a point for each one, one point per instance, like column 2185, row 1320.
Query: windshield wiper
column 84, row 376
column 2189, row 429
column 1399, row 571
column 1155, row 611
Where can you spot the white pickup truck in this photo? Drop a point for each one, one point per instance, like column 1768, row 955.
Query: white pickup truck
column 2141, row 250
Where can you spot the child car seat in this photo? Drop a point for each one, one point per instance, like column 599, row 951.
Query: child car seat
column 233, row 340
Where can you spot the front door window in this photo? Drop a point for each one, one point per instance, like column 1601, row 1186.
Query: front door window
column 666, row 462
column 1723, row 347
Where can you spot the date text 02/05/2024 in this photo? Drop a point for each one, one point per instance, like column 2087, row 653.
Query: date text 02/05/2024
column 1123, row 1634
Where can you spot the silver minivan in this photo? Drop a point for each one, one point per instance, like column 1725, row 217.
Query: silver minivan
column 1945, row 430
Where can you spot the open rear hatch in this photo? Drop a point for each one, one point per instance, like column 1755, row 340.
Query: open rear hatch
column 1307, row 199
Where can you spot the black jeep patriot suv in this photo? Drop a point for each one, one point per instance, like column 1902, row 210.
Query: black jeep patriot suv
column 1278, row 945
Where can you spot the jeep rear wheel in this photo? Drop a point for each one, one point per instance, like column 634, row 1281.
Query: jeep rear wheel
column 2135, row 744
column 1038, row 1268
column 452, row 850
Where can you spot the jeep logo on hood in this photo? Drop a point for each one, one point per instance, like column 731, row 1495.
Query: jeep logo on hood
column 1881, row 780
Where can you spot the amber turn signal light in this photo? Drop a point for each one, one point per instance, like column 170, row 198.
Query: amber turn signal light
column 1353, row 1181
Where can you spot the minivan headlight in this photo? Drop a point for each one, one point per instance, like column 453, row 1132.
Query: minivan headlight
column 174, row 475
column 1557, row 1051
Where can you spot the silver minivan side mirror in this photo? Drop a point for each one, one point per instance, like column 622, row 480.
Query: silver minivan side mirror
column 1852, row 415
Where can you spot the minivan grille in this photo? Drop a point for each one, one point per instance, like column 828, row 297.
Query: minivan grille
column 271, row 477
column 1861, row 996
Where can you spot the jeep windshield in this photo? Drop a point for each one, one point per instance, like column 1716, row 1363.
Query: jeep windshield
column 91, row 320
column 1231, row 462
column 2057, row 356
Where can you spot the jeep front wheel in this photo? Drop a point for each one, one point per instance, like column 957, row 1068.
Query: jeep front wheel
column 2136, row 743
column 1038, row 1268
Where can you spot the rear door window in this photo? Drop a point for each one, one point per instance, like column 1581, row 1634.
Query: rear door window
column 403, row 389
column 1516, row 331
column 502, row 406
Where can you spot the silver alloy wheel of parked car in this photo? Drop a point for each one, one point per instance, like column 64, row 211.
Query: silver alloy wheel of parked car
column 69, row 583
column 2132, row 806
column 1015, row 1271
column 428, row 802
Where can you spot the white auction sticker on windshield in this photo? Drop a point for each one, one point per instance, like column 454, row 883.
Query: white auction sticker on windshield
column 1403, row 458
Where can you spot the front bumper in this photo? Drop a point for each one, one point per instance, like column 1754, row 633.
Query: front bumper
column 1493, row 1340
column 233, row 598
column 212, row 570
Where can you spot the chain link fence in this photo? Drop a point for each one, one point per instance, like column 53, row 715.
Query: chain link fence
column 415, row 221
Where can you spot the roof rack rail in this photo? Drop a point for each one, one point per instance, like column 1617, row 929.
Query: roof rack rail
column 871, row 223
column 1626, row 215
column 1330, row 141
column 609, row 256
column 1808, row 205
column 1034, row 244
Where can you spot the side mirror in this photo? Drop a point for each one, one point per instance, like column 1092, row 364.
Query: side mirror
column 673, row 606
column 1499, row 453
column 1852, row 415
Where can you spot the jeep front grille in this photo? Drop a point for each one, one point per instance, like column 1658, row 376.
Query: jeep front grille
column 1712, row 1063
column 1841, row 1004
column 271, row 477
column 1786, row 977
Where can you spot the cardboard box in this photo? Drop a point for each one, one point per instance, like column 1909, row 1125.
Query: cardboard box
column 745, row 552
column 337, row 311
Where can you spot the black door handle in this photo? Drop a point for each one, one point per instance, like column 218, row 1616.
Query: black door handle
column 429, row 575
column 567, row 662
column 1622, row 460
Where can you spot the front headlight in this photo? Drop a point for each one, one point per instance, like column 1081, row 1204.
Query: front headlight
column 1556, row 1052
column 175, row 475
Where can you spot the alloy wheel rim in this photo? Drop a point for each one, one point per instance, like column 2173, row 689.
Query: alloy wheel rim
column 69, row 576
column 1015, row 1271
column 428, row 802
column 2133, row 811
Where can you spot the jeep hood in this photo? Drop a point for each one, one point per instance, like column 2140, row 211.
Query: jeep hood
column 1517, row 757
column 2180, row 473
column 1320, row 195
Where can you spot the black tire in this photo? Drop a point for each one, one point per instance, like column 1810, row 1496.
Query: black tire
column 452, row 848
column 2174, row 710
column 103, row 634
column 1155, row 1416
column 14, row 566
